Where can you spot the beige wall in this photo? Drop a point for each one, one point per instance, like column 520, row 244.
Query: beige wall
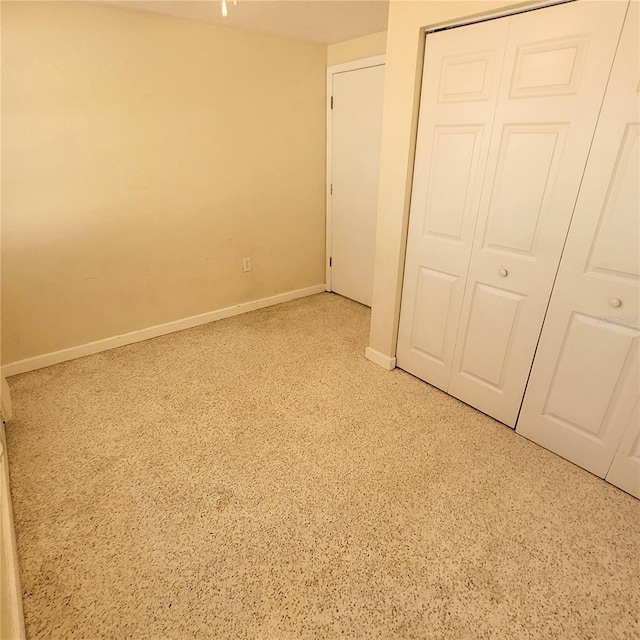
column 143, row 156
column 357, row 48
column 405, row 49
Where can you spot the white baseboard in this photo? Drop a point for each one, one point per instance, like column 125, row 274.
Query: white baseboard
column 11, row 614
column 47, row 359
column 380, row 359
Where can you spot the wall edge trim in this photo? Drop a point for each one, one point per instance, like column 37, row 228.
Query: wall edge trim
column 12, row 612
column 105, row 344
column 386, row 362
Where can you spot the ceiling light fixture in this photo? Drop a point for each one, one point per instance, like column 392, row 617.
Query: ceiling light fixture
column 225, row 13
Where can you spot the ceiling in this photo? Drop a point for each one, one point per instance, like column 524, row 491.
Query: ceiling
column 323, row 21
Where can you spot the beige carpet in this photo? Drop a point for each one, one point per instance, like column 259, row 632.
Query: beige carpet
column 258, row 478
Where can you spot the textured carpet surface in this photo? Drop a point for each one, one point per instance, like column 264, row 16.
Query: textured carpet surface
column 259, row 478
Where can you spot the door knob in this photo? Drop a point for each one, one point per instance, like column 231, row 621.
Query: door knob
column 615, row 302
column 503, row 273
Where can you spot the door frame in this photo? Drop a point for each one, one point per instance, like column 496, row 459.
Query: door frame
column 363, row 63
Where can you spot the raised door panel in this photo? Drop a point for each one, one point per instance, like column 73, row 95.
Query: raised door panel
column 614, row 252
column 625, row 468
column 582, row 395
column 488, row 339
column 549, row 68
column 580, row 366
column 585, row 382
column 433, row 295
column 466, row 77
column 453, row 161
column 557, row 64
column 460, row 86
column 610, row 381
column 539, row 149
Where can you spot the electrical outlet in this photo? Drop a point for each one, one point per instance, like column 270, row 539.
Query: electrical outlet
column 246, row 264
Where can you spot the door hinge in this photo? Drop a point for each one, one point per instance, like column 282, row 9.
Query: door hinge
column 330, row 189
column 330, row 261
column 332, row 102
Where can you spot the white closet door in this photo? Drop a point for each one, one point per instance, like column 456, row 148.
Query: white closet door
column 556, row 67
column 355, row 159
column 585, row 383
column 459, row 92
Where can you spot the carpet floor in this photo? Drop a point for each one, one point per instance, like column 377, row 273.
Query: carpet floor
column 257, row 477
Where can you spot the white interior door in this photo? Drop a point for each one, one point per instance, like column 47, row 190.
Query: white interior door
column 585, row 382
column 459, row 92
column 557, row 63
column 355, row 157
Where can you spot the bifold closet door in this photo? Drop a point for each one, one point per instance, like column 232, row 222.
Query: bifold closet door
column 556, row 68
column 459, row 92
column 479, row 271
column 582, row 398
